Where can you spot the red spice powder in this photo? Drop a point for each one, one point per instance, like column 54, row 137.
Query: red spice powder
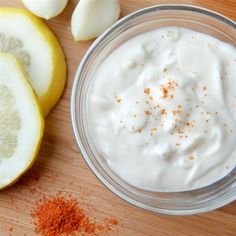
column 148, row 113
column 168, row 89
column 62, row 216
column 147, row 91
column 118, row 100
column 163, row 112
column 32, row 191
column 165, row 92
column 112, row 221
column 37, row 177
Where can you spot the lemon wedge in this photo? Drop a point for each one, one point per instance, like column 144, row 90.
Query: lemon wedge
column 32, row 42
column 21, row 121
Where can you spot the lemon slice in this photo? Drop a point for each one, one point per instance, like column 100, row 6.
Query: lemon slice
column 21, row 122
column 32, row 42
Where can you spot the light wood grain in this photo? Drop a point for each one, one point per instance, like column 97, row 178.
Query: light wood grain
column 62, row 168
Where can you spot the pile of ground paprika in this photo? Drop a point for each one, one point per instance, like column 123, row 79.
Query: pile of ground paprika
column 63, row 216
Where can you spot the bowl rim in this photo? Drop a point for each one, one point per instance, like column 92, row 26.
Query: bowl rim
column 85, row 59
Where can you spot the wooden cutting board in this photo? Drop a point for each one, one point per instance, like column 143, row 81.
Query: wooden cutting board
column 60, row 166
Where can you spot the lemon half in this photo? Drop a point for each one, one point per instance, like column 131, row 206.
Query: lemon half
column 21, row 121
column 32, row 42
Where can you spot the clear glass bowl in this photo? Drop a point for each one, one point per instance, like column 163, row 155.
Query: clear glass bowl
column 174, row 203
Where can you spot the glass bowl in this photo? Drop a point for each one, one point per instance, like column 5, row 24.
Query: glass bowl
column 173, row 203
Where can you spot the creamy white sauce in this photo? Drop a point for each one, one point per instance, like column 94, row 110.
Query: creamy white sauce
column 162, row 110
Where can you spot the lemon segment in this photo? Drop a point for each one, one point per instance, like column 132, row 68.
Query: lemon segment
column 33, row 43
column 21, row 121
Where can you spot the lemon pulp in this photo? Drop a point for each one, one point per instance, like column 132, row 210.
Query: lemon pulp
column 36, row 47
column 21, row 121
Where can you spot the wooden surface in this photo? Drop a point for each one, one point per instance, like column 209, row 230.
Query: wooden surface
column 61, row 168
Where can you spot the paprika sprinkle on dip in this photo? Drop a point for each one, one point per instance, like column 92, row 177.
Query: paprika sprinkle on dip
column 63, row 216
